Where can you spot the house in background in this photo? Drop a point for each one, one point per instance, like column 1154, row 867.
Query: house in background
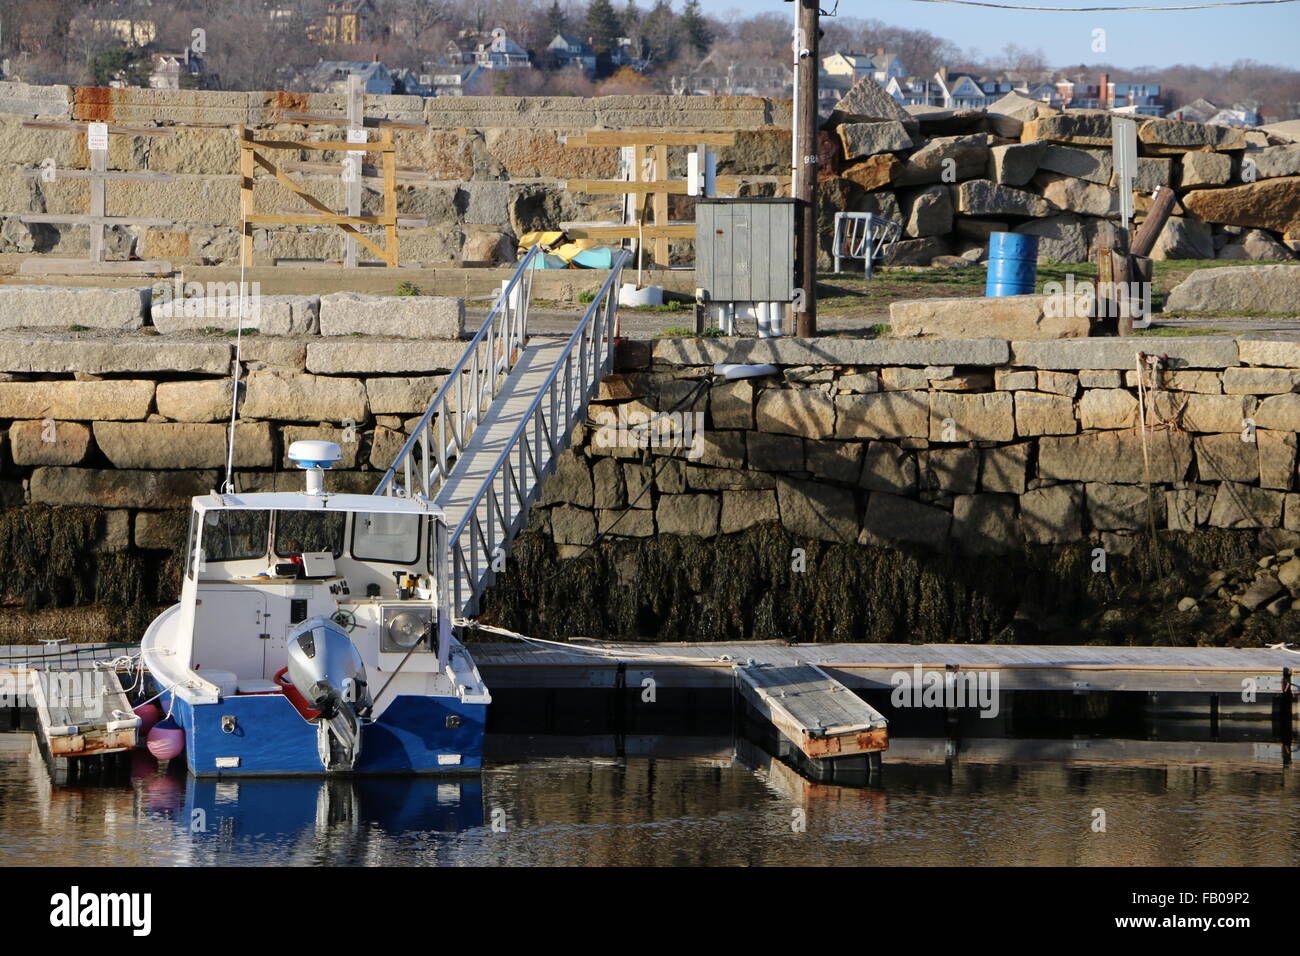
column 570, row 52
column 346, row 22
column 1197, row 111
column 442, row 79
column 127, row 30
column 714, row 77
column 176, row 71
column 915, row 91
column 627, row 53
column 961, row 91
column 1245, row 113
column 331, row 76
column 491, row 51
column 880, row 66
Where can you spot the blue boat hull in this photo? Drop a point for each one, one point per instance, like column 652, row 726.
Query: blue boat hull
column 270, row 737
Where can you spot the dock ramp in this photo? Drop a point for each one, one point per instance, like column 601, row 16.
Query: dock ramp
column 492, row 434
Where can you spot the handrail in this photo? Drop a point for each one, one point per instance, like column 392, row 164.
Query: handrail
column 592, row 342
column 502, row 337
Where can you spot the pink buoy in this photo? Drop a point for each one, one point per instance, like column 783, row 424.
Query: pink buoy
column 149, row 715
column 166, row 739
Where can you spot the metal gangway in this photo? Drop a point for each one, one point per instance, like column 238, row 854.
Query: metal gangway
column 493, row 433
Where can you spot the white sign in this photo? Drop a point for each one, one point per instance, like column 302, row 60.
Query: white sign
column 357, row 136
column 97, row 136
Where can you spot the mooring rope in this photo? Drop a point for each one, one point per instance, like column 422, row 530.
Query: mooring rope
column 593, row 651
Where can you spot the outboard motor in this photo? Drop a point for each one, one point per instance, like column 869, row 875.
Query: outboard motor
column 328, row 671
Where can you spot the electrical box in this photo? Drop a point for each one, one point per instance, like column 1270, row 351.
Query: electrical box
column 744, row 249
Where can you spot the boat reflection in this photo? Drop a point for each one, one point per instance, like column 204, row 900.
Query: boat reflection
column 269, row 809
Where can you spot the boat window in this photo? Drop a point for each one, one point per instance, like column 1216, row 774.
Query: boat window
column 394, row 538
column 309, row 531
column 235, row 535
column 191, row 546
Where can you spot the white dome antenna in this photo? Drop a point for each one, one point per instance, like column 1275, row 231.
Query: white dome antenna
column 315, row 458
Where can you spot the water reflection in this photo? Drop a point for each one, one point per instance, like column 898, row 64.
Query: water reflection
column 678, row 800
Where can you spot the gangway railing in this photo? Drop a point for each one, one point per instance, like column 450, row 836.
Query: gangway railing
column 423, row 463
column 499, row 509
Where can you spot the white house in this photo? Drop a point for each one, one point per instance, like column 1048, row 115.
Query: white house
column 331, row 76
column 494, row 51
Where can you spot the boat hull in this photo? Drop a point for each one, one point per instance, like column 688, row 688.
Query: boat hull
column 268, row 737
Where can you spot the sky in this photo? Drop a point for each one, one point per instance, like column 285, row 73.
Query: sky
column 1267, row 34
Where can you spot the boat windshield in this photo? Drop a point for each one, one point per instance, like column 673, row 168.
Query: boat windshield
column 236, row 535
column 297, row 532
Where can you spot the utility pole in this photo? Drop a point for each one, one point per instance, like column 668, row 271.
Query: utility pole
column 805, row 172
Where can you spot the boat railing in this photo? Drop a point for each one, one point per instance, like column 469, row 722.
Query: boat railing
column 445, row 428
column 476, row 545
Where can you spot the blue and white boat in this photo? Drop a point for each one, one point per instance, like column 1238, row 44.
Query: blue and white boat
column 309, row 638
column 314, row 631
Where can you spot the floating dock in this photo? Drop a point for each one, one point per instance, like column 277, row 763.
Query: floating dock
column 1068, row 668
column 808, row 693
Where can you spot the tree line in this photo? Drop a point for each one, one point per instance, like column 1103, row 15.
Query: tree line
column 263, row 44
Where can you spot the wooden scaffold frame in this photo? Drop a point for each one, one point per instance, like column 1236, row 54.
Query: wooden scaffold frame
column 252, row 155
column 96, row 218
column 649, row 186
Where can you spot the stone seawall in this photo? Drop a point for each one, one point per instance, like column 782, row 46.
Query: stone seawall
column 973, row 445
column 939, row 490
column 487, row 169
column 927, row 483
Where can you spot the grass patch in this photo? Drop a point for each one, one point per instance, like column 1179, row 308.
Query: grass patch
column 585, row 297
column 406, row 287
column 665, row 307
column 681, row 332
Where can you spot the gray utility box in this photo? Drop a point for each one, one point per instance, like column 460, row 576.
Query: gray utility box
column 744, row 249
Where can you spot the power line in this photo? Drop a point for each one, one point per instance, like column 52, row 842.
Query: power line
column 1163, row 9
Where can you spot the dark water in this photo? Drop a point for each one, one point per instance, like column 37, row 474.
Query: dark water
column 688, row 801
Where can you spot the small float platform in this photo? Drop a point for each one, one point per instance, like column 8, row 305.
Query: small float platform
column 812, row 710
column 80, row 708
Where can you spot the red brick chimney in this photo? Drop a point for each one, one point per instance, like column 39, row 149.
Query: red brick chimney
column 1103, row 91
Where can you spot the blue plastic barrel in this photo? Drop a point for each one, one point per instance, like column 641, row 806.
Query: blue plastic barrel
column 1013, row 264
